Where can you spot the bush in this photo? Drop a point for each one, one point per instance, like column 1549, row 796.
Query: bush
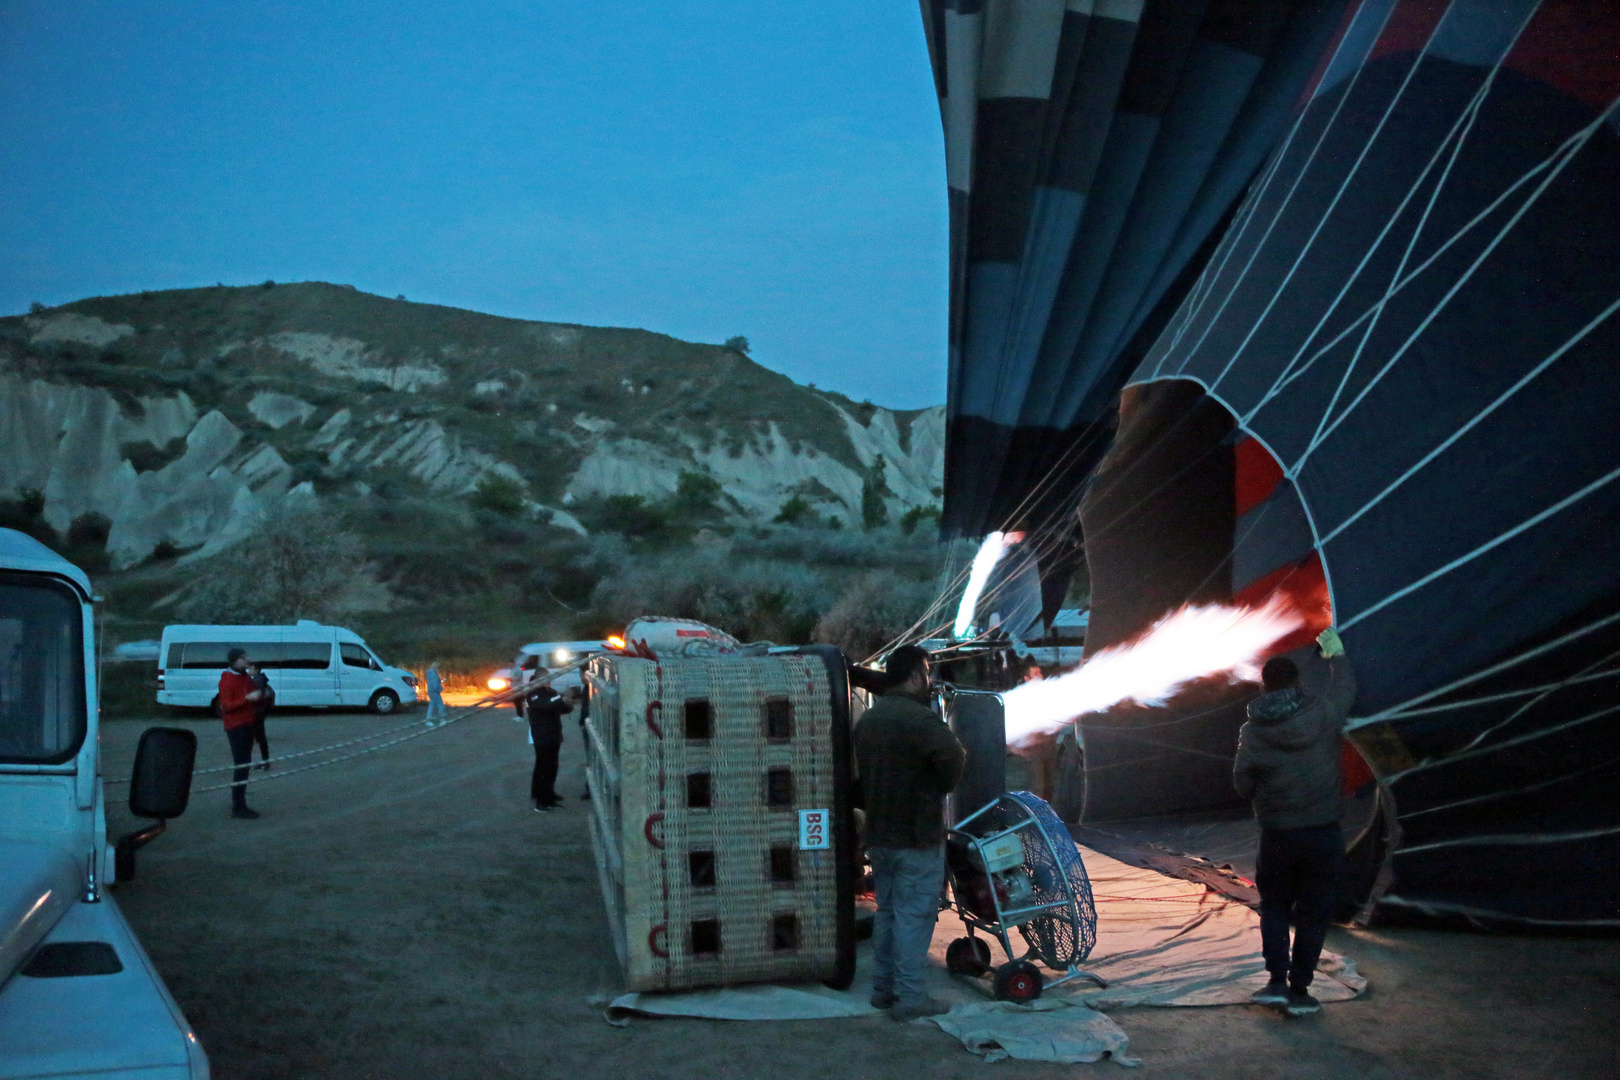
column 628, row 515
column 874, row 511
column 697, row 496
column 916, row 516
column 500, row 494
column 752, row 600
column 874, row 609
column 299, row 564
column 795, row 511
column 739, row 343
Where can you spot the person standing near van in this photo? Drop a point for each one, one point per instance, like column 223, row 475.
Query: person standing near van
column 435, row 689
column 239, row 709
column 545, row 709
column 267, row 701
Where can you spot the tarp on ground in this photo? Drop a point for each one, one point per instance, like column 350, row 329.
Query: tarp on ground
column 1160, row 941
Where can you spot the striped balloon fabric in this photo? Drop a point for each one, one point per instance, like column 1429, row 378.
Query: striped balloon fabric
column 1357, row 269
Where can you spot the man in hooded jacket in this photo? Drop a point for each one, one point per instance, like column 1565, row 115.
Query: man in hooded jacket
column 1288, row 764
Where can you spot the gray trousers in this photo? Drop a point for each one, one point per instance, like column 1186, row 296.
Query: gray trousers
column 435, row 709
column 908, row 884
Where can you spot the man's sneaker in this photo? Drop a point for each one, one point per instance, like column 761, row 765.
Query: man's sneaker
column 1300, row 1003
column 1274, row 993
column 881, row 1000
column 543, row 808
column 913, row 1010
column 244, row 812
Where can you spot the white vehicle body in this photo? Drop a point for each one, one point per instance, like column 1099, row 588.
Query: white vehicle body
column 539, row 657
column 307, row 664
column 78, row 995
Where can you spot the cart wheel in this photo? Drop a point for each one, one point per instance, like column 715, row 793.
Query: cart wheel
column 1018, row 980
column 967, row 956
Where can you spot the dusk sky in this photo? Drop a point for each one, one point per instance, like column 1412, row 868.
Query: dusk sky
column 700, row 169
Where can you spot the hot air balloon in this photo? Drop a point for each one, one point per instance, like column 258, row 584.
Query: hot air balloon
column 1321, row 298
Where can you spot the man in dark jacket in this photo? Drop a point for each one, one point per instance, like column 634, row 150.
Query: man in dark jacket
column 909, row 761
column 1288, row 764
column 239, row 708
column 545, row 709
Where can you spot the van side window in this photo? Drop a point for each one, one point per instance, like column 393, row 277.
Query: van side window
column 204, row 654
column 307, row 655
column 355, row 655
column 176, row 650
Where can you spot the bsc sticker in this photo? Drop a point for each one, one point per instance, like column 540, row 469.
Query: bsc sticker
column 815, row 832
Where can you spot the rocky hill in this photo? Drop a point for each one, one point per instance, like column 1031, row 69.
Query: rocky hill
column 177, row 417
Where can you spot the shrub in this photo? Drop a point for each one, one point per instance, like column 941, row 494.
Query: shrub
column 795, row 511
column 916, row 516
column 874, row 511
column 697, row 496
column 738, row 343
column 497, row 493
column 298, row 564
column 874, row 609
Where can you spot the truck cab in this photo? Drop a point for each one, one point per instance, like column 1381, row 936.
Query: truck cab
column 78, row 995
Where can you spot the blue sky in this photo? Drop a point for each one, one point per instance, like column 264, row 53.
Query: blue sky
column 700, row 169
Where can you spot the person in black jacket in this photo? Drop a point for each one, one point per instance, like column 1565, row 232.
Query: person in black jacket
column 545, row 709
column 267, row 701
column 909, row 761
column 1288, row 765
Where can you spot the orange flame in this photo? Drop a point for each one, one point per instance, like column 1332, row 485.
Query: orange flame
column 1188, row 644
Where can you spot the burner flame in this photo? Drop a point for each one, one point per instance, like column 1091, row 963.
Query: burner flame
column 1189, row 644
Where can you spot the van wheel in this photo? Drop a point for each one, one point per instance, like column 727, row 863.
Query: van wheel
column 384, row 702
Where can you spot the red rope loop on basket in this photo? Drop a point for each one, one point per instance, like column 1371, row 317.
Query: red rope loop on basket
column 647, row 829
column 653, row 706
column 661, row 930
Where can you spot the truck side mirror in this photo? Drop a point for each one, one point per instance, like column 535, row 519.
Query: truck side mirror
column 159, row 787
column 161, row 784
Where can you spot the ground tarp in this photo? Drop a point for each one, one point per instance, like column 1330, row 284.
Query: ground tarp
column 1160, row 941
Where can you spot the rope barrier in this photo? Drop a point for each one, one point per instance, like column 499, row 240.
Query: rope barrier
column 504, row 697
column 252, row 779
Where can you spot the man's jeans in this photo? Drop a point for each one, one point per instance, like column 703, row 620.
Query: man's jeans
column 435, row 709
column 1297, row 871
column 908, row 882
column 241, row 740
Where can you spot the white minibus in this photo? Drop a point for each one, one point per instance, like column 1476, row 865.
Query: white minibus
column 308, row 664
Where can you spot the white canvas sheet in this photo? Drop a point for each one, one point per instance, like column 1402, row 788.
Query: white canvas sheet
column 1160, row 941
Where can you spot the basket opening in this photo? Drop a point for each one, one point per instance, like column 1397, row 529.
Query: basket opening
column 706, row 937
column 697, row 791
column 698, row 718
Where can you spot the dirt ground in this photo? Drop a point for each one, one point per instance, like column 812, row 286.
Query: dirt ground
column 405, row 914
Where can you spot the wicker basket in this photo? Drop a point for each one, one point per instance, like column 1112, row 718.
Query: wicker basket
column 699, row 770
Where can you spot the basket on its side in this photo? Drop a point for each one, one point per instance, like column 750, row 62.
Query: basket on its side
column 700, row 769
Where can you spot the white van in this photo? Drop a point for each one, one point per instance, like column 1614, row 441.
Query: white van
column 538, row 657
column 308, row 664
column 78, row 995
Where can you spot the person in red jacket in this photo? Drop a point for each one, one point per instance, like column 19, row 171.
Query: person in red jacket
column 239, row 708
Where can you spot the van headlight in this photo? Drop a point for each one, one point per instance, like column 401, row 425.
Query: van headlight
column 561, row 657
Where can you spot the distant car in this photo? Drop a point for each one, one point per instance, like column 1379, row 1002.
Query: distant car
column 540, row 657
column 307, row 664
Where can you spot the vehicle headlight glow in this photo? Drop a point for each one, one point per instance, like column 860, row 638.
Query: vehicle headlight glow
column 561, row 656
column 498, row 683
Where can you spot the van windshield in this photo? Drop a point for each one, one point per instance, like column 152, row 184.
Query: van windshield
column 42, row 708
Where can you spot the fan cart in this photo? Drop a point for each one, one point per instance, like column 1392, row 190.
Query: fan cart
column 1013, row 865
